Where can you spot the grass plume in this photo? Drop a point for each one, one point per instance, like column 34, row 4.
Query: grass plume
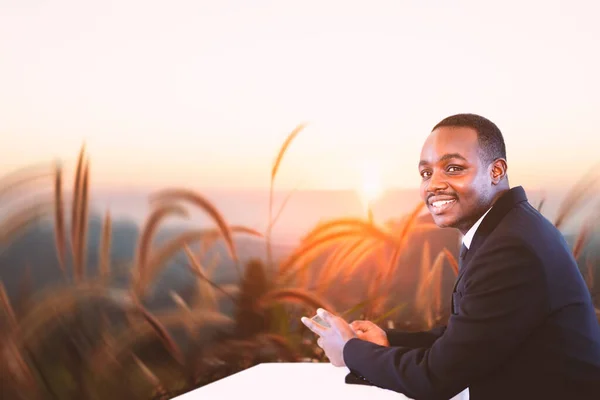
column 284, row 147
column 206, row 296
column 149, row 230
column 214, row 234
column 59, row 219
column 326, row 235
column 206, row 206
column 146, row 275
column 18, row 221
column 355, row 259
column 309, row 251
column 104, row 254
column 22, row 177
column 582, row 239
column 162, row 334
column 347, row 224
column 82, row 224
column 337, row 258
column 452, row 260
column 183, row 306
column 75, row 205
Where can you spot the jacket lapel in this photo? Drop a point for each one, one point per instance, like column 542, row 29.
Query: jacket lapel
column 500, row 208
column 503, row 205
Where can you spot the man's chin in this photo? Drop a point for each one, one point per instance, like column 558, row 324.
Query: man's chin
column 444, row 221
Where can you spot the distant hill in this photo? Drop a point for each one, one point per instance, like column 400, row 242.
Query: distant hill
column 31, row 259
column 35, row 252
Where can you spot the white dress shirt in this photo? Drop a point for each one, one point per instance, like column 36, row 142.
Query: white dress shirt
column 469, row 235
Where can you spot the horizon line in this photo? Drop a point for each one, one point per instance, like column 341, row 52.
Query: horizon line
column 145, row 188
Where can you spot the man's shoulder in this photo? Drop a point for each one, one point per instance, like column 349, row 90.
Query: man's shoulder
column 527, row 247
column 524, row 225
column 525, row 237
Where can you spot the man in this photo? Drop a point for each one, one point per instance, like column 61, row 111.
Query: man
column 522, row 324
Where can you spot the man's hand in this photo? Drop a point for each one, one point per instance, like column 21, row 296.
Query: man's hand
column 331, row 340
column 369, row 331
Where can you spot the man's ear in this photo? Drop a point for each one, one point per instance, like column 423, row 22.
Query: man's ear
column 498, row 170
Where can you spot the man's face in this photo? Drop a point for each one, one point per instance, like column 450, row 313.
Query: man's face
column 455, row 184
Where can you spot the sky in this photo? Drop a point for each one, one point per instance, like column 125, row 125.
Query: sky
column 203, row 93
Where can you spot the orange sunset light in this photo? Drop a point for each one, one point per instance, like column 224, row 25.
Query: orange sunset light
column 371, row 186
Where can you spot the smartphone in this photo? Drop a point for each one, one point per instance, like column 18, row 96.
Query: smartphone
column 320, row 321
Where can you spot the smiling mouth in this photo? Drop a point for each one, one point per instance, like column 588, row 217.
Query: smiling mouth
column 441, row 206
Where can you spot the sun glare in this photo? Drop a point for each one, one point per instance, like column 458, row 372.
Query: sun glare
column 371, row 182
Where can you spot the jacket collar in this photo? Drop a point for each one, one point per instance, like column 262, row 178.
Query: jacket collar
column 501, row 207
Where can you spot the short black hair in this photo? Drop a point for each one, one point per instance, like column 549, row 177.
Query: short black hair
column 491, row 141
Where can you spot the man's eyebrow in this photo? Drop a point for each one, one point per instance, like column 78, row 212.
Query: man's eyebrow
column 445, row 157
column 450, row 156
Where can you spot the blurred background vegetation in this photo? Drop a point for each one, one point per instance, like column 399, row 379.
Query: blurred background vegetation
column 94, row 308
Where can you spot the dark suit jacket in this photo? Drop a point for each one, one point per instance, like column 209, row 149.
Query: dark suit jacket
column 523, row 324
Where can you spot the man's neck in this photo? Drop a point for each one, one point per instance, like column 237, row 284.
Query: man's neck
column 468, row 237
column 484, row 210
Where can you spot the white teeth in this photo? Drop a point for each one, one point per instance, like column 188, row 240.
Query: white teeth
column 441, row 203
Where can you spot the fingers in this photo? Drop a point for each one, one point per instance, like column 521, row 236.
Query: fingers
column 326, row 315
column 317, row 328
column 313, row 326
column 361, row 325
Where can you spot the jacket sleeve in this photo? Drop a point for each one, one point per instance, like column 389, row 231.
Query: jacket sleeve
column 414, row 339
column 504, row 299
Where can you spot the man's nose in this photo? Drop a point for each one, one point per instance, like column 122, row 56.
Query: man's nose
column 436, row 182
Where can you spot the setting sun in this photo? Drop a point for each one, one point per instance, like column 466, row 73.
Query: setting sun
column 371, row 187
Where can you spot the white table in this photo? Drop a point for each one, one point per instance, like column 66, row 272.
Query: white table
column 293, row 381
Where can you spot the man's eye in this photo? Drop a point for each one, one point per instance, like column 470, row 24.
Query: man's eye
column 425, row 174
column 454, row 168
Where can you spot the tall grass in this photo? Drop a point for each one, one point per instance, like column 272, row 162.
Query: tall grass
column 277, row 163
column 104, row 256
column 44, row 313
column 194, row 342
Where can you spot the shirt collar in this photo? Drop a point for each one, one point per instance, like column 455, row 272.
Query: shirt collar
column 469, row 235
